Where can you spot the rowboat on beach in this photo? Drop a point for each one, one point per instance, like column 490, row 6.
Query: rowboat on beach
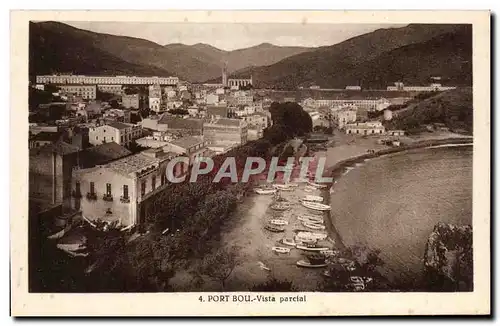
column 313, row 226
column 288, row 242
column 281, row 250
column 273, row 228
column 306, row 220
column 316, row 219
column 312, row 198
column 312, row 235
column 278, row 222
column 280, row 206
column 316, row 185
column 304, row 263
column 262, row 191
column 312, row 248
column 315, row 206
column 283, row 187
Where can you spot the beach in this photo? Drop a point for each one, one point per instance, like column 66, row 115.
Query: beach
column 246, row 232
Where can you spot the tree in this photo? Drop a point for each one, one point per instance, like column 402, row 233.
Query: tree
column 220, row 265
column 275, row 285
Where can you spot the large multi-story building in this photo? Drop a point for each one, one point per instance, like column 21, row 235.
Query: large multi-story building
column 155, row 98
column 117, row 190
column 113, row 89
column 435, row 87
column 105, row 80
column 87, row 92
column 118, row 132
column 174, row 125
column 343, row 115
column 365, row 128
column 224, row 131
column 239, row 82
column 365, row 104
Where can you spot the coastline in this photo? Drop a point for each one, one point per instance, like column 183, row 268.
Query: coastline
column 337, row 170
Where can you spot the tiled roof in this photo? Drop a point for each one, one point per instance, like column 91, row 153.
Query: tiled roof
column 174, row 122
column 59, row 147
column 119, row 125
column 227, row 122
column 187, row 142
column 47, row 136
column 132, row 163
column 102, row 154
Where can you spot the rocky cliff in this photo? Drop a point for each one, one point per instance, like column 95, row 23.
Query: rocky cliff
column 448, row 258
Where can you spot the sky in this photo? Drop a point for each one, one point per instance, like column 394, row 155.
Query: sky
column 234, row 36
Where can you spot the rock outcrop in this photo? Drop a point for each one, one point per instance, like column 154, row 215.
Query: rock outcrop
column 448, row 258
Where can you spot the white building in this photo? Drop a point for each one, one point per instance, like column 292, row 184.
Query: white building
column 434, row 87
column 86, row 92
column 344, row 115
column 118, row 132
column 105, row 80
column 212, row 99
column 113, row 89
column 353, row 88
column 365, row 128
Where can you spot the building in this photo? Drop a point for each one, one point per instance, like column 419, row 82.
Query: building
column 192, row 147
column 155, row 98
column 244, row 100
column 258, row 120
column 115, row 191
column 365, row 128
column 224, row 131
column 35, row 128
column 113, row 89
column 101, row 154
column 353, row 88
column 117, row 115
column 224, row 75
column 395, row 132
column 118, row 132
column 174, row 125
column 434, row 87
column 87, row 92
column 239, row 82
column 105, row 80
column 211, row 99
column 50, row 168
column 343, row 115
column 131, row 101
column 217, row 112
column 44, row 138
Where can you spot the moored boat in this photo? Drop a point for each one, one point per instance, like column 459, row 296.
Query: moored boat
column 313, row 226
column 280, row 206
column 307, row 220
column 281, row 250
column 316, row 185
column 273, row 228
column 312, row 198
column 311, row 235
column 315, row 206
column 304, row 263
column 312, row 248
column 278, row 222
column 283, row 187
column 288, row 242
column 317, row 219
column 263, row 191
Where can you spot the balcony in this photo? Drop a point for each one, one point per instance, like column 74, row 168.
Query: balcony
column 125, row 199
column 107, row 197
column 91, row 196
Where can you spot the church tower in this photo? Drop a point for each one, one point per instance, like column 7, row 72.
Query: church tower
column 224, row 74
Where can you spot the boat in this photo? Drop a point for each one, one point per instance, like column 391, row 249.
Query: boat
column 303, row 263
column 313, row 226
column 283, row 187
column 312, row 248
column 312, row 235
column 278, row 222
column 292, row 184
column 308, row 220
column 310, row 188
column 263, row 266
column 301, row 240
column 273, row 228
column 317, row 219
column 288, row 242
column 312, row 198
column 315, row 206
column 280, row 206
column 262, row 191
column 329, row 252
column 319, row 236
column 281, row 250
column 316, row 185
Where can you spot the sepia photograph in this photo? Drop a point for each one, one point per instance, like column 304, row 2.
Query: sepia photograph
column 248, row 162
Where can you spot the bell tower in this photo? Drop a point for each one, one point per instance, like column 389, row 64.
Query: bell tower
column 224, row 74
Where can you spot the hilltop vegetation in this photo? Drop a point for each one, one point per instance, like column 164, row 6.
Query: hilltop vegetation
column 453, row 108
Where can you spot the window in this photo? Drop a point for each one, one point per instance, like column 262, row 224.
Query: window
column 143, row 188
column 108, row 189
column 96, row 137
column 125, row 191
column 77, row 188
column 92, row 188
column 112, row 139
column 104, row 138
column 153, row 182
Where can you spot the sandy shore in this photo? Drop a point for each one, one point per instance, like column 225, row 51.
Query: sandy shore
column 246, row 232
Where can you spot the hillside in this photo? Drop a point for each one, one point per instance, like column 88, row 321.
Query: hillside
column 375, row 60
column 57, row 47
column 453, row 108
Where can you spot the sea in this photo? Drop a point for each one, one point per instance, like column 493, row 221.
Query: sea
column 393, row 202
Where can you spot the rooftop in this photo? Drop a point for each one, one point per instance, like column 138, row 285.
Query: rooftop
column 59, row 147
column 120, row 125
column 47, row 136
column 174, row 122
column 226, row 122
column 102, row 154
column 133, row 163
column 187, row 142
